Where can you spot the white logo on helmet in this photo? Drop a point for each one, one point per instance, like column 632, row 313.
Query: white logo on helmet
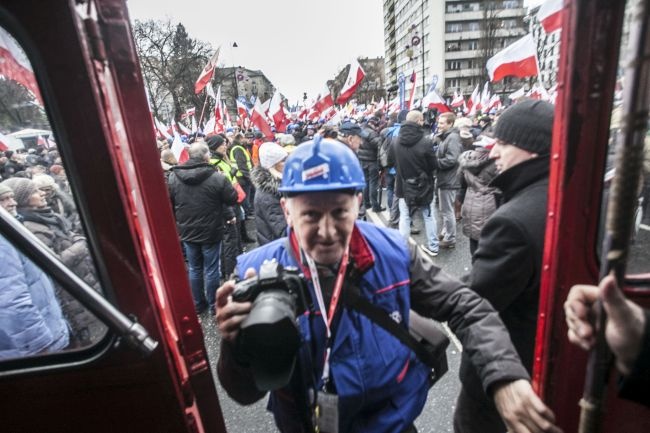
column 396, row 316
column 321, row 170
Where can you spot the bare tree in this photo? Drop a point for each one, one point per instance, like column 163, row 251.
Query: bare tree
column 171, row 62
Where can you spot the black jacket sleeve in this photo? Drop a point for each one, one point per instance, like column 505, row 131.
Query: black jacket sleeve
column 484, row 337
column 636, row 386
column 503, row 263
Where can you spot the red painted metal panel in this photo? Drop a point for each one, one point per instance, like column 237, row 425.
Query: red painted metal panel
column 116, row 174
column 589, row 58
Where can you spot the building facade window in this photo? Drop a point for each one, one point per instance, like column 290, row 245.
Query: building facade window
column 453, row 65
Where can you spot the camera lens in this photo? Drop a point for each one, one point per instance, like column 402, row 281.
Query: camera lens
column 269, row 339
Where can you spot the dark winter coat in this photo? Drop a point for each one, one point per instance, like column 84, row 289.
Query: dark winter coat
column 72, row 250
column 199, row 195
column 31, row 321
column 449, row 150
column 413, row 155
column 476, row 171
column 370, row 146
column 506, row 267
column 269, row 217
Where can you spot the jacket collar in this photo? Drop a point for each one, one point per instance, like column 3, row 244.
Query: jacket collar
column 516, row 178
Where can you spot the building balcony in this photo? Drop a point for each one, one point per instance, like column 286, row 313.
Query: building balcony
column 479, row 15
column 460, row 55
column 466, row 35
column 463, row 73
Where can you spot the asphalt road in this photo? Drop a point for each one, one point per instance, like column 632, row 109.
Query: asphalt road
column 438, row 413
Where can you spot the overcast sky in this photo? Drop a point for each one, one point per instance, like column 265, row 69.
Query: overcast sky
column 298, row 44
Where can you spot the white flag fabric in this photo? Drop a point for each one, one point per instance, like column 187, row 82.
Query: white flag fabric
column 355, row 75
column 518, row 60
column 550, row 15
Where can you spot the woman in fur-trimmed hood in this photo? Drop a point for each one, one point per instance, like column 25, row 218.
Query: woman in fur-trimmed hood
column 269, row 217
column 476, row 170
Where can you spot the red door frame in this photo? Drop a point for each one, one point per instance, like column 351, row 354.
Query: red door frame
column 119, row 185
column 586, row 79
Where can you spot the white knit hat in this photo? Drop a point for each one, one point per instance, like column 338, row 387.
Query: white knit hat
column 271, row 153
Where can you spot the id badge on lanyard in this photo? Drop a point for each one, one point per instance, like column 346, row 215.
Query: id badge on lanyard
column 326, row 412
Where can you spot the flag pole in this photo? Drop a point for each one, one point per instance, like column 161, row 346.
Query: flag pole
column 203, row 109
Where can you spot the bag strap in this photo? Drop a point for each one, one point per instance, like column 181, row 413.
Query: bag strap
column 353, row 299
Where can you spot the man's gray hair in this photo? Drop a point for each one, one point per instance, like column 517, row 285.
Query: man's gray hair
column 199, row 150
column 414, row 116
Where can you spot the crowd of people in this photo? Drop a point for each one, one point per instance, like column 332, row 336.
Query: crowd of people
column 308, row 192
column 38, row 315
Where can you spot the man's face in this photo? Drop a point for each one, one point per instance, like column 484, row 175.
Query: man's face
column 323, row 223
column 48, row 191
column 354, row 142
column 7, row 201
column 443, row 126
column 507, row 156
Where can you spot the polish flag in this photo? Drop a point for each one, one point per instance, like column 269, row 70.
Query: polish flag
column 393, row 105
column 518, row 60
column 242, row 111
column 517, row 94
column 265, row 106
column 494, row 102
column 277, row 113
column 4, row 142
column 183, row 129
column 162, row 129
column 355, row 76
column 179, row 150
column 381, row 104
column 258, row 118
column 15, row 66
column 433, row 100
column 458, row 100
column 207, row 73
column 474, row 102
column 226, row 115
column 485, row 95
column 550, row 15
column 324, row 101
column 189, row 112
column 414, row 81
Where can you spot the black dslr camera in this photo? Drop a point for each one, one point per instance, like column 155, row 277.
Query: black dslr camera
column 269, row 338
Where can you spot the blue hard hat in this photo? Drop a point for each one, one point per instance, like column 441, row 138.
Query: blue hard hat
column 322, row 165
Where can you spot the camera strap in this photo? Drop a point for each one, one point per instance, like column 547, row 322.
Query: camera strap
column 328, row 315
column 432, row 355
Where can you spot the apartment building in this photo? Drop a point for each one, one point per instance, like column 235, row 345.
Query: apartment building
column 449, row 41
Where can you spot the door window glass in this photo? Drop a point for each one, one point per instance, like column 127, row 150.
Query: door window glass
column 37, row 316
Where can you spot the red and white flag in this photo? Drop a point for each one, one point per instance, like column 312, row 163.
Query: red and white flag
column 474, row 102
column 258, row 118
column 518, row 60
column 179, row 150
column 485, row 96
column 189, row 112
column 324, row 101
column 265, row 106
column 242, row 111
column 162, row 129
column 15, row 66
column 433, row 100
column 517, row 94
column 355, row 75
column 226, row 115
column 380, row 105
column 458, row 100
column 4, row 142
column 494, row 103
column 393, row 105
column 550, row 15
column 276, row 110
column 207, row 72
column 184, row 129
column 414, row 82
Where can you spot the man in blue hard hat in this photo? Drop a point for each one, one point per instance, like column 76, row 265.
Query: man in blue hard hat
column 350, row 374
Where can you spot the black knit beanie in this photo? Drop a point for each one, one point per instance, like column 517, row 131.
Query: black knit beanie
column 528, row 125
